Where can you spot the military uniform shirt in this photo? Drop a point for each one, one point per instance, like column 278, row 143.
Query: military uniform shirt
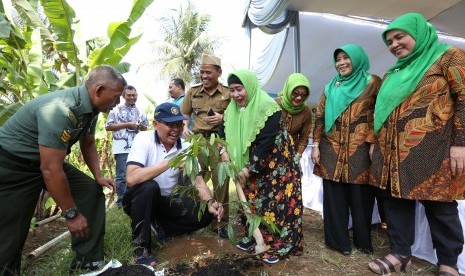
column 55, row 120
column 197, row 102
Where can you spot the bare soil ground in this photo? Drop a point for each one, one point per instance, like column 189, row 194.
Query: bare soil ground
column 203, row 253
column 38, row 236
column 316, row 260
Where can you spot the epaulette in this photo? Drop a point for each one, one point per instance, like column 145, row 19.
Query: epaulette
column 194, row 88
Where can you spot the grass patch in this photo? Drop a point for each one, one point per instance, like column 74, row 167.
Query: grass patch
column 118, row 236
column 58, row 259
column 117, row 244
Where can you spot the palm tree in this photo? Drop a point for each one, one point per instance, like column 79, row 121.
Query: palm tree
column 186, row 37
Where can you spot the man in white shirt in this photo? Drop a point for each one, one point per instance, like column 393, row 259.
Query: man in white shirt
column 125, row 120
column 150, row 181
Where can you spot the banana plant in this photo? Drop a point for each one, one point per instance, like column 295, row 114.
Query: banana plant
column 120, row 39
column 41, row 51
column 17, row 51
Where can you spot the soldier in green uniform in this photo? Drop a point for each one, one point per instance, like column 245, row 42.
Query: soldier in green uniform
column 33, row 145
column 207, row 102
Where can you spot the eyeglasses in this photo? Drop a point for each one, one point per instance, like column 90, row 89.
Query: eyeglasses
column 178, row 124
column 301, row 95
column 237, row 89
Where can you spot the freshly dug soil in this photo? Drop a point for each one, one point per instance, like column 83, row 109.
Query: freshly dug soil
column 128, row 270
column 229, row 265
column 220, row 267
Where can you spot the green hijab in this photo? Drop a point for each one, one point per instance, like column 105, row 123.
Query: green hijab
column 293, row 81
column 242, row 125
column 403, row 78
column 342, row 91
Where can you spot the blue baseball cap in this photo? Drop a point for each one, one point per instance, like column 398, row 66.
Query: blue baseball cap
column 168, row 112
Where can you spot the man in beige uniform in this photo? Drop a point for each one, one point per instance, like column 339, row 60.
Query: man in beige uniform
column 207, row 102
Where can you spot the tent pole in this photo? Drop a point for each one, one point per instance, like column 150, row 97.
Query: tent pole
column 249, row 35
column 297, row 44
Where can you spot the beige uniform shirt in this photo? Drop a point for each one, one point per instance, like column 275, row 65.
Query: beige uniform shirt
column 197, row 102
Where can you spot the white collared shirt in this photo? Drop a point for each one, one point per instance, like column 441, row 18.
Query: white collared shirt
column 147, row 151
column 123, row 138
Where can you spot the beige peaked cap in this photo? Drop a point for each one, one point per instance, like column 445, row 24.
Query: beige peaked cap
column 208, row 58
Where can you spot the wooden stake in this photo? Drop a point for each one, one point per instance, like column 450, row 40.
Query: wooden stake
column 39, row 251
column 47, row 220
column 260, row 247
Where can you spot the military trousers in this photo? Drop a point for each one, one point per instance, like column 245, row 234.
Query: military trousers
column 20, row 187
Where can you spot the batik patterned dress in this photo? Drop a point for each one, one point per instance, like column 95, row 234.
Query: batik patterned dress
column 413, row 147
column 274, row 191
column 344, row 151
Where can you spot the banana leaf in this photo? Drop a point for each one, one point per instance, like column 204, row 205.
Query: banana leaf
column 35, row 67
column 30, row 15
column 6, row 111
column 63, row 22
column 119, row 32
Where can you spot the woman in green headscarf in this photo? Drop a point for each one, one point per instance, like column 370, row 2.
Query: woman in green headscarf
column 297, row 115
column 420, row 150
column 260, row 146
column 342, row 139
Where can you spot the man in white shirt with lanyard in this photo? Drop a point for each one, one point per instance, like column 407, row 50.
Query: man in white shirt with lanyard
column 150, row 181
column 125, row 120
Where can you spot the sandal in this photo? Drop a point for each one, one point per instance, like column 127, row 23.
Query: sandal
column 445, row 273
column 383, row 266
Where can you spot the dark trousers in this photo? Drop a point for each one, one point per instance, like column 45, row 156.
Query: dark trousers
column 380, row 202
column 338, row 199
column 443, row 219
column 20, row 186
column 144, row 203
column 120, row 178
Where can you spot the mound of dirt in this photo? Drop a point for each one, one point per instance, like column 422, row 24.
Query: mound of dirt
column 128, row 270
column 229, row 265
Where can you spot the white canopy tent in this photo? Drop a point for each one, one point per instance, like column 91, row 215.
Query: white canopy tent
column 446, row 15
column 305, row 33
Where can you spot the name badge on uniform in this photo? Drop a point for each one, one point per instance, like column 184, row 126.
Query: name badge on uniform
column 80, row 121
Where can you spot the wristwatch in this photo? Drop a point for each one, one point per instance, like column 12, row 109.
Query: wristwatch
column 70, row 213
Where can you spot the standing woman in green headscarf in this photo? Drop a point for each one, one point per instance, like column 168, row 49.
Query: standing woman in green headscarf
column 259, row 145
column 420, row 151
column 297, row 115
column 342, row 139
